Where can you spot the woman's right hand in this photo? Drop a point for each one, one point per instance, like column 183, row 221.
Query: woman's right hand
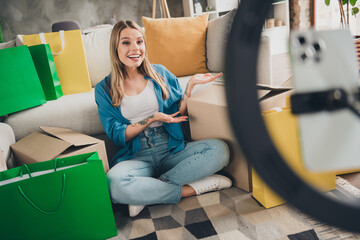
column 162, row 117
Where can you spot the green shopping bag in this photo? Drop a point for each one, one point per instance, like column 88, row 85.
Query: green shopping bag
column 45, row 67
column 20, row 86
column 65, row 198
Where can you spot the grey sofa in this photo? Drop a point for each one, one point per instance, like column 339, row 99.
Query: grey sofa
column 79, row 111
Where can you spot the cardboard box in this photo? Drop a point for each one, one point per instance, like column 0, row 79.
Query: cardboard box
column 273, row 69
column 57, row 142
column 208, row 118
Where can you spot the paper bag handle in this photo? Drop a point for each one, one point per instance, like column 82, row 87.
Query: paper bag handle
column 33, row 204
column 28, row 170
column 62, row 40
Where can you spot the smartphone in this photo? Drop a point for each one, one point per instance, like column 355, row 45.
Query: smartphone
column 324, row 60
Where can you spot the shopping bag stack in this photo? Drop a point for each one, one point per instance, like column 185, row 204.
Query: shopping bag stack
column 69, row 57
column 56, row 60
column 283, row 128
column 65, row 198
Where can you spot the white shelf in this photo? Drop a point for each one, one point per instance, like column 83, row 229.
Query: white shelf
column 279, row 35
column 219, row 6
column 273, row 29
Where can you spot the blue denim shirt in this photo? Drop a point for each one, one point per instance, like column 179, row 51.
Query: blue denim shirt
column 114, row 123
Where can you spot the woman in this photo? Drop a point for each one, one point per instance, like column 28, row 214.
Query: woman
column 141, row 107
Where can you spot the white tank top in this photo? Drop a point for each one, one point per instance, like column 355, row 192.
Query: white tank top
column 140, row 107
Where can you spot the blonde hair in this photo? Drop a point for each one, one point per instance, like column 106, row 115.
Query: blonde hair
column 118, row 72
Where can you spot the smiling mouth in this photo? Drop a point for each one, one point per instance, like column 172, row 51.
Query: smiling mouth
column 134, row 57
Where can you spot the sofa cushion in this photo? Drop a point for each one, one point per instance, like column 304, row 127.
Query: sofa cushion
column 96, row 46
column 8, row 44
column 177, row 43
column 216, row 41
column 77, row 112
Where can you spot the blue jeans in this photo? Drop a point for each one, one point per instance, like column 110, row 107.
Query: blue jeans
column 155, row 176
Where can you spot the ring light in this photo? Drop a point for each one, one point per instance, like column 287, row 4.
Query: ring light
column 251, row 132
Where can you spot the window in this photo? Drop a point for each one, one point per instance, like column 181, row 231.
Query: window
column 328, row 17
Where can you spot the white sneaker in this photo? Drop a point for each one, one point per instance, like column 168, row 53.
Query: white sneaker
column 134, row 210
column 212, row 183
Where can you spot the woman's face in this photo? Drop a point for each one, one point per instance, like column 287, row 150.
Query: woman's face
column 131, row 48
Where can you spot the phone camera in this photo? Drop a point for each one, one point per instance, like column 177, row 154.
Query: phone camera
column 317, row 47
column 301, row 40
column 303, row 56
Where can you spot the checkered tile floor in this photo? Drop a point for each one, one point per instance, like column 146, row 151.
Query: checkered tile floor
column 227, row 214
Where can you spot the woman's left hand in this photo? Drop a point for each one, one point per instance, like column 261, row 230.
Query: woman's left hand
column 201, row 79
column 204, row 78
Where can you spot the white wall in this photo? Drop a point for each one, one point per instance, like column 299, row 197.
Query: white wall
column 33, row 16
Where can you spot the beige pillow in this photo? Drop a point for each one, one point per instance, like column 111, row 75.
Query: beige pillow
column 217, row 37
column 96, row 47
column 177, row 43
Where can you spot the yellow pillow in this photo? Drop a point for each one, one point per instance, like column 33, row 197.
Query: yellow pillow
column 177, row 43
